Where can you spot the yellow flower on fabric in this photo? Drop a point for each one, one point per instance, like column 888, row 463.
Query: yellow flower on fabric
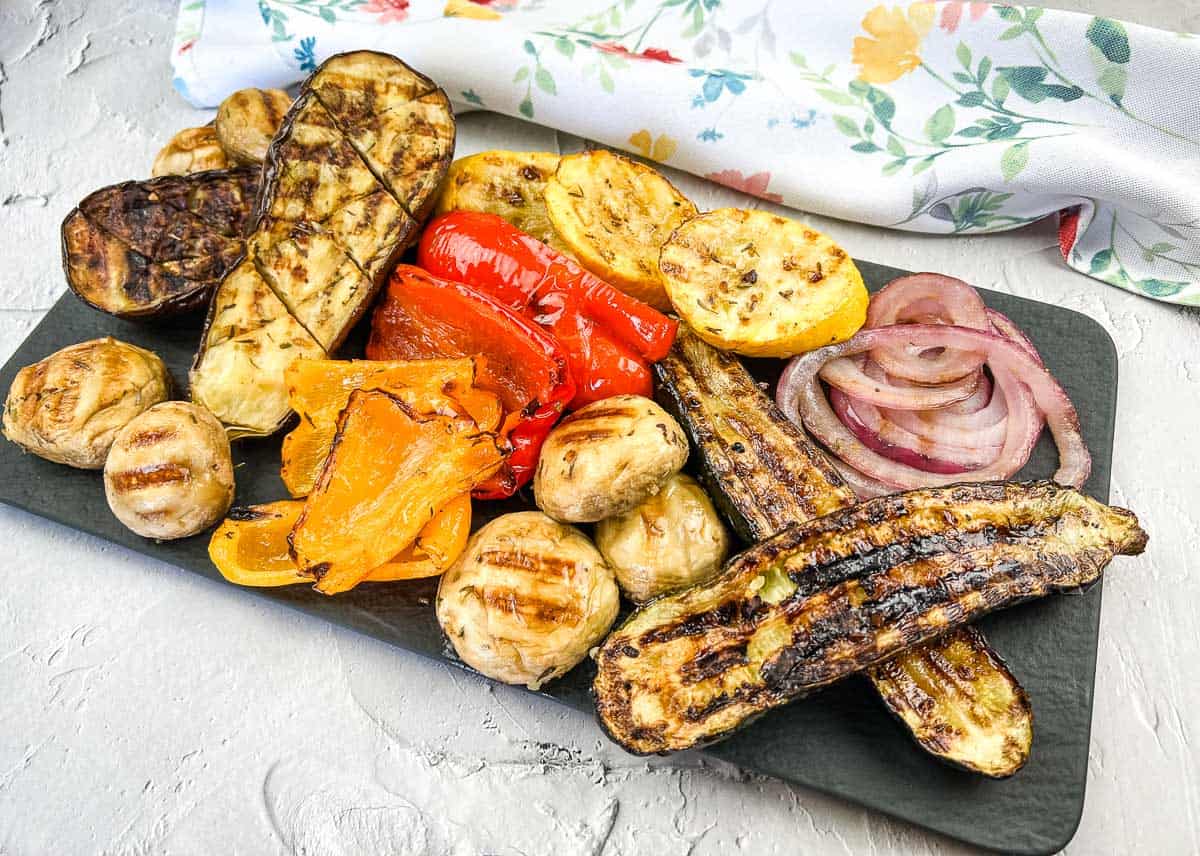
column 659, row 149
column 895, row 50
column 467, row 9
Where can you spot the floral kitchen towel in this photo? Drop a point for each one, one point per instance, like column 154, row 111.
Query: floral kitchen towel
column 948, row 117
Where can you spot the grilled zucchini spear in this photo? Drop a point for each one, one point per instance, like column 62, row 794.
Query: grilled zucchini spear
column 839, row 594
column 762, row 472
column 346, row 183
column 955, row 694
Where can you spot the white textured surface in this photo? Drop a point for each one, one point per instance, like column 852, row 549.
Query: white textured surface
column 146, row 710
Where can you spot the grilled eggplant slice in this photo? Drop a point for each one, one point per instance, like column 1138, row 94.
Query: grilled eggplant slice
column 747, row 451
column 960, row 702
column 250, row 339
column 839, row 594
column 760, row 469
column 146, row 249
column 346, row 183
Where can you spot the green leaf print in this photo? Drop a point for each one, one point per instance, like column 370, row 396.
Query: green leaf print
column 1028, row 82
column 545, row 81
column 1161, row 287
column 835, row 97
column 1000, row 88
column 882, row 104
column 1110, row 37
column 940, row 124
column 1100, row 262
column 964, row 55
column 1112, row 82
column 1014, row 159
column 846, row 125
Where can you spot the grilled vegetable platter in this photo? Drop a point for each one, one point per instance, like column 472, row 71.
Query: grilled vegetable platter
column 540, row 414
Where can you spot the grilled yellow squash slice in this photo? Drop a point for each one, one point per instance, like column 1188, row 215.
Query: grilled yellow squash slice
column 346, row 182
column 760, row 284
column 614, row 213
column 508, row 184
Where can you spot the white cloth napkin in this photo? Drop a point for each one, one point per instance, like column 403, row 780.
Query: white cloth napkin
column 948, row 117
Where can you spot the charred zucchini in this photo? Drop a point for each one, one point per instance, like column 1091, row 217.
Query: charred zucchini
column 346, row 182
column 960, row 702
column 760, row 469
column 766, row 475
column 146, row 249
column 839, row 594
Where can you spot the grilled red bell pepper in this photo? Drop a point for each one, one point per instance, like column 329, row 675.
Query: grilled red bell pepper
column 608, row 335
column 423, row 317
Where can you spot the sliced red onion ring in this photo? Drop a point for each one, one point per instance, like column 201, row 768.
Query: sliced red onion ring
column 898, row 444
column 850, row 378
column 864, row 487
column 1025, row 384
column 927, row 298
column 984, row 427
column 1004, row 325
column 927, row 452
column 978, row 400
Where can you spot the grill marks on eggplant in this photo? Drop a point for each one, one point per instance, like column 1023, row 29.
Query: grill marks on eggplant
column 760, row 469
column 159, row 247
column 346, row 181
column 840, row 594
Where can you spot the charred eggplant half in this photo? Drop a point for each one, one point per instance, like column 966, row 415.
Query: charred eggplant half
column 148, row 249
column 955, row 695
column 346, row 182
column 842, row 593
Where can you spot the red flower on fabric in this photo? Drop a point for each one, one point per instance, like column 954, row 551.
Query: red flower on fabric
column 1068, row 230
column 755, row 185
column 653, row 54
column 389, row 11
column 952, row 14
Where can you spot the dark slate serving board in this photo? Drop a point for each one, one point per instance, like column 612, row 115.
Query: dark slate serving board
column 841, row 741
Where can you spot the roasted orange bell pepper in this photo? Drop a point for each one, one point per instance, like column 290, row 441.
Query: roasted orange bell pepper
column 423, row 317
column 390, row 470
column 251, row 547
column 319, row 389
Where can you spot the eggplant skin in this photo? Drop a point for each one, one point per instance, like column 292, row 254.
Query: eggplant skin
column 761, row 470
column 960, row 702
column 349, row 176
column 836, row 595
column 157, row 248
